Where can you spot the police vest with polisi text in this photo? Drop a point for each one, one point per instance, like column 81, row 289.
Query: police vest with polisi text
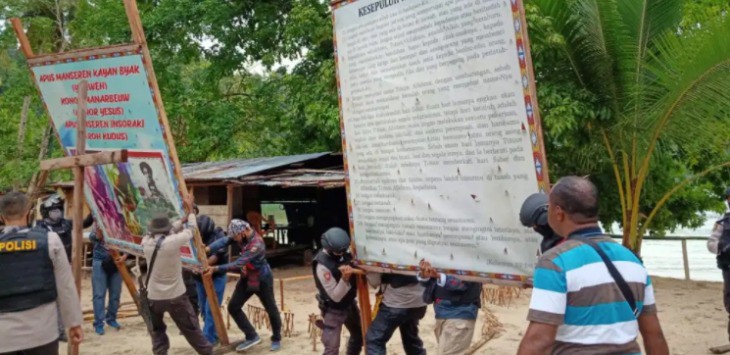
column 26, row 271
column 332, row 263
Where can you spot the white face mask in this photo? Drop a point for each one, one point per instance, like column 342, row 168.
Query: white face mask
column 55, row 215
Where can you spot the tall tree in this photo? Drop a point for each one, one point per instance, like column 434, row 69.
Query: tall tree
column 649, row 105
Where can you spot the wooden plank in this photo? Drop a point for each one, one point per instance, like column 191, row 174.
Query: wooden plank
column 22, row 38
column 99, row 51
column 126, row 276
column 100, row 158
column 135, row 24
column 78, row 204
column 363, row 295
column 685, row 259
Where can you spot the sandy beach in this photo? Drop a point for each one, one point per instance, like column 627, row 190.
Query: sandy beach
column 691, row 313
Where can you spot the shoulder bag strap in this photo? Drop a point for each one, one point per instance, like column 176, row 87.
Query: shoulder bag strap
column 152, row 261
column 620, row 282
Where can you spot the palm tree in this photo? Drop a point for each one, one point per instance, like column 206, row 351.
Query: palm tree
column 661, row 92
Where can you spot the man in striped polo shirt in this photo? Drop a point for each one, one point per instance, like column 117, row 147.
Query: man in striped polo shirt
column 576, row 306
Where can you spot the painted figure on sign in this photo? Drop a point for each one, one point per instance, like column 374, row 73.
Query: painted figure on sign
column 126, row 195
column 107, row 209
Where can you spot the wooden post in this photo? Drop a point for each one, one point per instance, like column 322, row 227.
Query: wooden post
column 22, row 38
column 229, row 201
column 135, row 24
column 281, row 293
column 126, row 276
column 78, row 203
column 685, row 259
column 364, row 299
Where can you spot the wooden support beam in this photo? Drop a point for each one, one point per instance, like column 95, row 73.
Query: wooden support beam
column 22, row 38
column 81, row 160
column 78, row 203
column 135, row 24
column 126, row 276
column 363, row 295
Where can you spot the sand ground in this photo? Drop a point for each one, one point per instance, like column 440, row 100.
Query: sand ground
column 691, row 313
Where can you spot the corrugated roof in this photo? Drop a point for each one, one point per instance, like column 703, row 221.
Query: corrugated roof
column 235, row 169
column 298, row 178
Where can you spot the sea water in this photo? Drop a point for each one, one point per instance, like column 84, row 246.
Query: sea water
column 664, row 257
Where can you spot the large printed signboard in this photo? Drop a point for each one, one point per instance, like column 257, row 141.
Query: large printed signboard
column 440, row 134
column 121, row 114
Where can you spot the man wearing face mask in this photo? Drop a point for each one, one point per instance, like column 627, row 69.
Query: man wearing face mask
column 533, row 214
column 336, row 293
column 53, row 221
column 256, row 279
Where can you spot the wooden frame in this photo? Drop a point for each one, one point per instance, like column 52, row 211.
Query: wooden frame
column 77, row 162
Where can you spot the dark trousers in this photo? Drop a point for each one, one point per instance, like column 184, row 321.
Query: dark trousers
column 265, row 293
column 726, row 296
column 334, row 319
column 48, row 349
column 387, row 321
column 191, row 290
column 181, row 312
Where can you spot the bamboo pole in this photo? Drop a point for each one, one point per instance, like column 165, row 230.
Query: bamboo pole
column 685, row 259
column 78, row 207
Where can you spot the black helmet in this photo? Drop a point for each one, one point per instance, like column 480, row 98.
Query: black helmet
column 52, row 202
column 335, row 240
column 206, row 226
column 534, row 210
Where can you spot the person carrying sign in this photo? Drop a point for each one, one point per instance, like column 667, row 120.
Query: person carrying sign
column 256, row 279
column 35, row 282
column 581, row 300
column 166, row 288
column 336, row 293
column 104, row 276
column 401, row 308
column 456, row 304
column 209, row 233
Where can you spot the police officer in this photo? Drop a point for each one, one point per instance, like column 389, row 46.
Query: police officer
column 456, row 304
column 336, row 293
column 533, row 214
column 35, row 282
column 719, row 244
column 53, row 221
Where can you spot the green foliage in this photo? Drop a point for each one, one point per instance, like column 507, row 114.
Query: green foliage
column 623, row 69
column 633, row 95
